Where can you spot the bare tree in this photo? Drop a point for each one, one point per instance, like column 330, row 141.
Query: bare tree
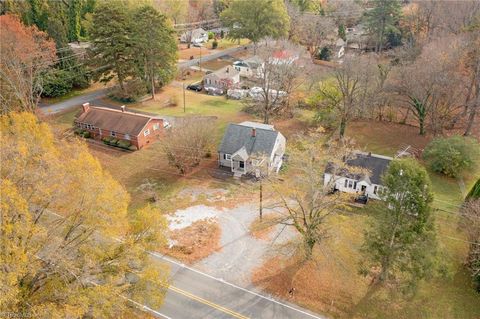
column 279, row 74
column 307, row 203
column 432, row 86
column 188, row 142
column 310, row 29
column 346, row 94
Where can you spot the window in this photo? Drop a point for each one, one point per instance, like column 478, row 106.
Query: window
column 156, row 126
column 127, row 136
column 350, row 184
column 346, row 183
column 112, row 133
column 375, row 189
column 355, row 185
column 227, row 157
column 241, row 164
column 146, row 132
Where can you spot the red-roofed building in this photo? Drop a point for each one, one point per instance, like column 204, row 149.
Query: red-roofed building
column 138, row 129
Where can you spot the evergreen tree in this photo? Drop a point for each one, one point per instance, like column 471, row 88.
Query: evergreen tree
column 74, row 15
column 342, row 32
column 112, row 43
column 474, row 193
column 155, row 47
column 384, row 16
column 400, row 245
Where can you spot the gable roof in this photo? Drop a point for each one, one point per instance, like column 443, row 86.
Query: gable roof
column 226, row 72
column 376, row 164
column 238, row 136
column 115, row 120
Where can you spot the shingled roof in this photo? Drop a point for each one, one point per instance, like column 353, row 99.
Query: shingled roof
column 237, row 136
column 114, row 120
column 375, row 164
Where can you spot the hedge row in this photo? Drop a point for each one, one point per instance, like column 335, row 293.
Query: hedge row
column 112, row 141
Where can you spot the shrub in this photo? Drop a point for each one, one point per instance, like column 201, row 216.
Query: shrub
column 452, row 155
column 222, row 34
column 324, row 54
column 86, row 134
column 214, row 44
column 124, row 144
column 108, row 140
column 134, row 90
column 78, row 131
column 210, row 35
column 56, row 83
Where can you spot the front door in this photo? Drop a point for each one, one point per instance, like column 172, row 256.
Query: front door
column 364, row 188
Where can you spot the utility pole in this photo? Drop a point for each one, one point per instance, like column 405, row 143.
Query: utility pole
column 200, row 60
column 261, row 198
column 183, row 86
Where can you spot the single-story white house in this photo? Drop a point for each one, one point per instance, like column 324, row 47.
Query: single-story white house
column 361, row 184
column 225, row 78
column 194, row 36
column 250, row 67
column 252, row 148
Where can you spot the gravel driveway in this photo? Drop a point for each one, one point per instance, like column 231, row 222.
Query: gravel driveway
column 241, row 253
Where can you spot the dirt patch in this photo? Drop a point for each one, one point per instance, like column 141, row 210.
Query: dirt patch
column 315, row 285
column 194, row 242
column 386, row 138
column 264, row 228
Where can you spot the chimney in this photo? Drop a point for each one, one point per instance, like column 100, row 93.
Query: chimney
column 254, row 132
column 86, row 107
column 123, row 108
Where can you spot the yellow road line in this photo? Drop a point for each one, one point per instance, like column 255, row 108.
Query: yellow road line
column 208, row 303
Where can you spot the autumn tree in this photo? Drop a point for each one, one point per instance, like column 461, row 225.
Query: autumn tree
column 155, row 47
column 25, row 54
column 69, row 247
column 188, row 142
column 381, row 19
column 256, row 19
column 400, row 243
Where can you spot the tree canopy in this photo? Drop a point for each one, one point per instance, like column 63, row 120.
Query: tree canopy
column 25, row 54
column 382, row 19
column 68, row 246
column 256, row 19
column 400, row 244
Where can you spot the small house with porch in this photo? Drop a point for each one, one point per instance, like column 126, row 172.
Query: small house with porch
column 369, row 185
column 252, row 148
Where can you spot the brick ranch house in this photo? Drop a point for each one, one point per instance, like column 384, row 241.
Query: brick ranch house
column 138, row 129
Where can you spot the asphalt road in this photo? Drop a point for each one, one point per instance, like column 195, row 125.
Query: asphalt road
column 213, row 56
column 193, row 294
column 97, row 95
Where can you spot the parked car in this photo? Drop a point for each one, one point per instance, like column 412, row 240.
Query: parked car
column 194, row 87
column 214, row 91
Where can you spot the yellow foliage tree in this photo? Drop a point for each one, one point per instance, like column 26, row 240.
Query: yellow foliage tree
column 68, row 245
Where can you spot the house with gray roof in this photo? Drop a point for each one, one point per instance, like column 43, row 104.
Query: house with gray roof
column 362, row 184
column 252, row 148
